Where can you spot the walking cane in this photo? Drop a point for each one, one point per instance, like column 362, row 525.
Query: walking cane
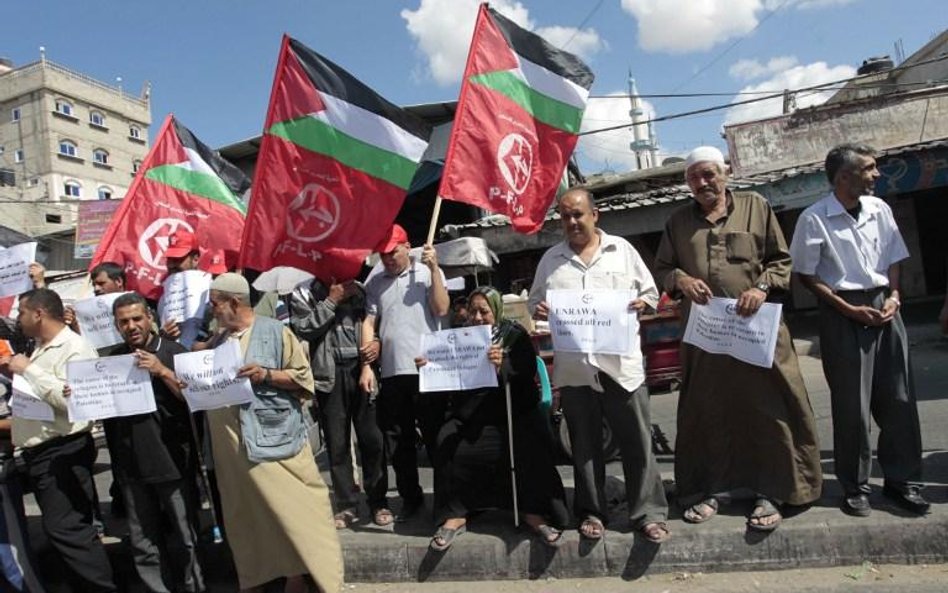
column 513, row 470
column 206, row 483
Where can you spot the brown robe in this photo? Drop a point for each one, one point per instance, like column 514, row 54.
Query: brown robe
column 739, row 425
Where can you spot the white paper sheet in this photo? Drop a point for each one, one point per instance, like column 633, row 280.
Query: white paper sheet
column 211, row 377
column 185, row 296
column 25, row 403
column 457, row 360
column 716, row 327
column 592, row 321
column 96, row 322
column 15, row 268
column 107, row 388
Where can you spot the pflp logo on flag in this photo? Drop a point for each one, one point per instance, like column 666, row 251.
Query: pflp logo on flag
column 313, row 215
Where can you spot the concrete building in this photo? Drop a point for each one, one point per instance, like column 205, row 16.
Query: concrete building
column 64, row 137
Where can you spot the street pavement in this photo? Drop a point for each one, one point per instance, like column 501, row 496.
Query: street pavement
column 818, row 536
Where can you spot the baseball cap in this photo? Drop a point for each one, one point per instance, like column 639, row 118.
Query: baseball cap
column 215, row 263
column 394, row 237
column 181, row 243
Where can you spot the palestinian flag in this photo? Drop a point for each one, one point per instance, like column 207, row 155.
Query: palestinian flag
column 522, row 101
column 333, row 170
column 181, row 184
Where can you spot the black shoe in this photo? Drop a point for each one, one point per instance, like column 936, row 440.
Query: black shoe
column 410, row 508
column 908, row 498
column 856, row 505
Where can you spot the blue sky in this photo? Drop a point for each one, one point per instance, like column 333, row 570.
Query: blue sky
column 211, row 61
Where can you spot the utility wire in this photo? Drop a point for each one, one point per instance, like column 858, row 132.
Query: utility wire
column 818, row 87
column 583, row 23
column 739, row 93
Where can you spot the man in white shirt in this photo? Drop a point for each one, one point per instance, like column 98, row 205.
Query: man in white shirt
column 846, row 249
column 594, row 387
column 59, row 454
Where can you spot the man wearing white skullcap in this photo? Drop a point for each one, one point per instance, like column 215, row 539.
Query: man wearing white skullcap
column 742, row 429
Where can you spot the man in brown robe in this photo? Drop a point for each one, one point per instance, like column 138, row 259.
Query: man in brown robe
column 741, row 428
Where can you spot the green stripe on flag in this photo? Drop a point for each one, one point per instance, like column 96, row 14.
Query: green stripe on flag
column 549, row 111
column 319, row 137
column 197, row 183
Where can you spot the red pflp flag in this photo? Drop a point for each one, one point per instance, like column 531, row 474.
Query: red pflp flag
column 333, row 169
column 181, row 184
column 521, row 105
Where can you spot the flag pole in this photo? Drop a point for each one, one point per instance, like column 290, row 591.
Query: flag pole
column 218, row 538
column 513, row 469
column 434, row 221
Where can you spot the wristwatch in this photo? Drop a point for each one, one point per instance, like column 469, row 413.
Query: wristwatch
column 763, row 286
column 267, row 377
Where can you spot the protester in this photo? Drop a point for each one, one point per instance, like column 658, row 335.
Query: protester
column 407, row 298
column 330, row 319
column 472, row 459
column 597, row 387
column 59, row 454
column 742, row 429
column 846, row 249
column 17, row 563
column 183, row 255
column 153, row 460
column 276, row 507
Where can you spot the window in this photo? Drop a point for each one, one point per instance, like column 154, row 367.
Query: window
column 97, row 119
column 33, row 182
column 2, row 149
column 135, row 165
column 15, row 114
column 54, row 218
column 100, row 156
column 72, row 189
column 64, row 107
column 68, row 148
column 105, row 193
column 18, row 155
column 135, row 132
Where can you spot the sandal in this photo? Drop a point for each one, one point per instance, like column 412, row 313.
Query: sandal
column 444, row 537
column 549, row 535
column 656, row 532
column 383, row 517
column 763, row 508
column 693, row 513
column 592, row 528
column 345, row 518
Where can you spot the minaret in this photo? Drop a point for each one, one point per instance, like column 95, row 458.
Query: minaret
column 643, row 143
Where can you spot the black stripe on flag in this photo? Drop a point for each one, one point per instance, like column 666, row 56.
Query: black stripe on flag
column 233, row 177
column 329, row 78
column 539, row 51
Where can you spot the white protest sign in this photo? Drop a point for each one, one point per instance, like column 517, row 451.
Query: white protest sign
column 25, row 403
column 211, row 377
column 457, row 360
column 107, row 388
column 185, row 296
column 716, row 327
column 592, row 321
column 15, row 268
column 96, row 321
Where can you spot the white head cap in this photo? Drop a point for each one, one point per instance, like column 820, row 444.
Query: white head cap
column 704, row 154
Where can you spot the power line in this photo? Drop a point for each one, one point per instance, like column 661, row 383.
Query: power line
column 739, row 93
column 583, row 23
column 818, row 87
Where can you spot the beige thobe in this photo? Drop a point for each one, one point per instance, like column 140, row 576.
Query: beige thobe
column 277, row 514
column 740, row 426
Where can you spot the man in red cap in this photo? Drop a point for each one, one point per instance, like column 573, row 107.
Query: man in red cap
column 407, row 298
column 183, row 255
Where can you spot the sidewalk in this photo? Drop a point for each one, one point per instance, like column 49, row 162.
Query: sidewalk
column 822, row 535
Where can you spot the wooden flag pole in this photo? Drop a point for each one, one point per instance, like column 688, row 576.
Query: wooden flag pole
column 510, row 444
column 434, row 221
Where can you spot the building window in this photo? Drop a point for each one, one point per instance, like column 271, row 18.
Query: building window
column 54, row 218
column 18, row 155
column 64, row 107
column 135, row 165
column 72, row 189
column 97, row 119
column 135, row 132
column 105, row 193
column 100, row 156
column 33, row 182
column 68, row 148
column 15, row 114
column 2, row 149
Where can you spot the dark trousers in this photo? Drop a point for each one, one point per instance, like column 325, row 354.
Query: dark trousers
column 347, row 406
column 627, row 413
column 163, row 543
column 400, row 407
column 60, row 474
column 868, row 372
column 16, row 555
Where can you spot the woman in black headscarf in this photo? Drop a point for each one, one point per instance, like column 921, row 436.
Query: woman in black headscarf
column 472, row 458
